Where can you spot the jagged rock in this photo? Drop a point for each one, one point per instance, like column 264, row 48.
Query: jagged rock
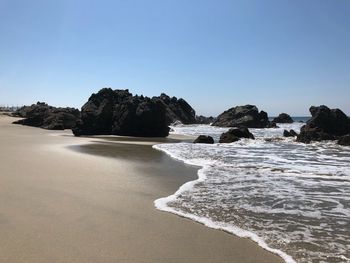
column 283, row 118
column 243, row 116
column 177, row 110
column 204, row 139
column 204, row 120
column 293, row 133
column 235, row 134
column 344, row 140
column 325, row 124
column 47, row 117
column 118, row 112
column 290, row 133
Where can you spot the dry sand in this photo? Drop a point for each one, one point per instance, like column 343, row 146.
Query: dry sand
column 67, row 199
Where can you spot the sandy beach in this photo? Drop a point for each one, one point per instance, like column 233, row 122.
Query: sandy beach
column 69, row 199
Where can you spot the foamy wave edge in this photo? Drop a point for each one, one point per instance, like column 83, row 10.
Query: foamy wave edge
column 161, row 204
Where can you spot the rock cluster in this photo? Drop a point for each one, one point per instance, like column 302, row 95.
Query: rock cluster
column 325, row 124
column 247, row 116
column 235, row 134
column 204, row 120
column 283, row 118
column 47, row 117
column 118, row 112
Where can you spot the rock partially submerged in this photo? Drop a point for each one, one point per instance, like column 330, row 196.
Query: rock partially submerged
column 235, row 134
column 118, row 112
column 47, row 117
column 247, row 116
column 283, row 118
column 344, row 140
column 204, row 120
column 272, row 124
column 290, row 133
column 204, row 139
column 325, row 124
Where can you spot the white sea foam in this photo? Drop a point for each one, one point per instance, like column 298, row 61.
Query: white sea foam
column 292, row 199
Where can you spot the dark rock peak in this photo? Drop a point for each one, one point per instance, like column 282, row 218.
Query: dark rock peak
column 242, row 116
column 177, row 110
column 283, row 118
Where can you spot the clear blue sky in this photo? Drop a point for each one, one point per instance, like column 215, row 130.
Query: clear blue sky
column 281, row 55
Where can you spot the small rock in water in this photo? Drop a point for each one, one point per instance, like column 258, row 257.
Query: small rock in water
column 344, row 140
column 235, row 134
column 204, row 139
column 290, row 133
column 272, row 125
column 293, row 133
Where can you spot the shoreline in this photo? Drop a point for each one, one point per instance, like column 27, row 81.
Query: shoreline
column 64, row 205
column 161, row 204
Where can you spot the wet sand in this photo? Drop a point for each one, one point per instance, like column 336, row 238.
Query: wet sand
column 68, row 199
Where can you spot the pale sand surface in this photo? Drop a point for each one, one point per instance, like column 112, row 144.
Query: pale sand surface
column 67, row 199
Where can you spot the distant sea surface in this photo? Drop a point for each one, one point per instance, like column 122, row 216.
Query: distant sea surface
column 296, row 118
column 291, row 198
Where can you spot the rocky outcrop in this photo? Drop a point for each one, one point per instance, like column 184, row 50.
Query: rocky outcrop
column 47, row 117
column 177, row 110
column 118, row 112
column 290, row 133
column 204, row 120
column 204, row 139
column 272, row 125
column 344, row 140
column 235, row 134
column 325, row 124
column 243, row 116
column 283, row 118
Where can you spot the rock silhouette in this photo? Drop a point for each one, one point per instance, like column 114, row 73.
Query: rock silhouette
column 243, row 116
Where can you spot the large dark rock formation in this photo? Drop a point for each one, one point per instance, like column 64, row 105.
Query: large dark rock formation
column 204, row 139
column 204, row 120
column 235, row 134
column 325, row 124
column 118, row 112
column 177, row 110
column 243, row 116
column 283, row 118
column 47, row 117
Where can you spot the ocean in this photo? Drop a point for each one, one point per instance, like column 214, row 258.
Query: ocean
column 293, row 199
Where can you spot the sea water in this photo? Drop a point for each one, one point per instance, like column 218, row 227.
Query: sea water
column 291, row 198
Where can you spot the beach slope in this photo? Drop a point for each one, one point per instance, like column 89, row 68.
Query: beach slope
column 68, row 199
